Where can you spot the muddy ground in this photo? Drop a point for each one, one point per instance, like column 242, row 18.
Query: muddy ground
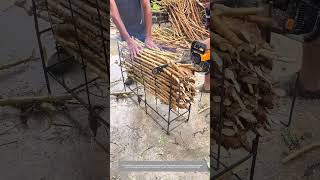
column 38, row 151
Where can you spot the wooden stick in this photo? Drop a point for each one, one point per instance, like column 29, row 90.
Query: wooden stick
column 7, row 66
column 120, row 93
column 29, row 99
column 221, row 28
column 222, row 10
column 300, row 152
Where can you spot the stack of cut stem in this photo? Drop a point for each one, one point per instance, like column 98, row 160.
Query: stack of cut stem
column 91, row 51
column 248, row 62
column 186, row 17
column 89, row 41
column 176, row 84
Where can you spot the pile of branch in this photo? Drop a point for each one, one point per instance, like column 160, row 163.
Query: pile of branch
column 169, row 38
column 93, row 38
column 186, row 17
column 248, row 61
column 176, row 84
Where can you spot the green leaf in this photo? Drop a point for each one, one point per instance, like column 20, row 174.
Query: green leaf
column 155, row 7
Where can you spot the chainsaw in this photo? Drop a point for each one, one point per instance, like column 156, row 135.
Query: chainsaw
column 304, row 17
column 200, row 56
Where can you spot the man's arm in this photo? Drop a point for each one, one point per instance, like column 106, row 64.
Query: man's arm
column 115, row 15
column 148, row 23
column 147, row 17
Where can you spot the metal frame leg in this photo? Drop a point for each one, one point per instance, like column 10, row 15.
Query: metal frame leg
column 254, row 156
column 294, row 97
column 170, row 106
column 120, row 60
column 221, row 115
column 44, row 66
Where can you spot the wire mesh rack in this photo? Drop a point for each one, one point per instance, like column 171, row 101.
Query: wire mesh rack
column 164, row 115
column 88, row 89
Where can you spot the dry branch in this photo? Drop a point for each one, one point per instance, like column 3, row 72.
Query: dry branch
column 33, row 99
column 300, row 152
column 7, row 66
column 186, row 19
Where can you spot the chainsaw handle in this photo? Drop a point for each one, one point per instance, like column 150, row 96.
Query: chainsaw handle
column 159, row 69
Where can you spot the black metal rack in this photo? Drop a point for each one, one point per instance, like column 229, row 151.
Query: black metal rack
column 164, row 115
column 84, row 91
column 293, row 101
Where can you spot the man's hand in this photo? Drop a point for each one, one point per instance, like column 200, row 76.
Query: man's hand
column 134, row 48
column 150, row 44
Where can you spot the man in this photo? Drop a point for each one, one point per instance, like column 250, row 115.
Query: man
column 309, row 81
column 309, row 75
column 308, row 84
column 206, row 86
column 133, row 18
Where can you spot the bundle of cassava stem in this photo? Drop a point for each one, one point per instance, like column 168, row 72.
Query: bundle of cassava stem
column 82, row 48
